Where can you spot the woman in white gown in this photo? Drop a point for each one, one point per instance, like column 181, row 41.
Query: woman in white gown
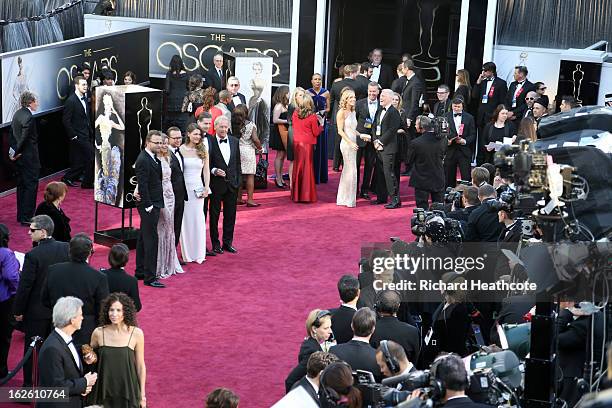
column 347, row 129
column 193, row 232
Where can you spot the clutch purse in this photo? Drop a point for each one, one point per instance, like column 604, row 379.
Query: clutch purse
column 89, row 355
column 199, row 192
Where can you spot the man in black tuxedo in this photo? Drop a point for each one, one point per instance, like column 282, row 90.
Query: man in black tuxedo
column 149, row 176
column 490, row 92
column 427, row 154
column 28, row 306
column 317, row 362
column 539, row 110
column 60, row 364
column 23, row 142
column 77, row 278
column 461, row 141
column 365, row 111
column 118, row 279
column 76, row 118
column 443, row 106
column 175, row 139
column 381, row 73
column 224, row 156
column 342, row 317
column 384, row 139
column 518, row 90
column 358, row 353
column 392, row 360
column 215, row 76
column 513, row 228
column 412, row 95
column 233, row 86
column 450, row 371
column 362, row 81
column 388, row 327
column 350, row 73
column 483, row 224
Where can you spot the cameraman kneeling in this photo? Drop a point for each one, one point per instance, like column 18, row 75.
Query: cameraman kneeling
column 450, row 371
column 392, row 360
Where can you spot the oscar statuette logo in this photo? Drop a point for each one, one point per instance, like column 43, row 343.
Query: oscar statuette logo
column 65, row 75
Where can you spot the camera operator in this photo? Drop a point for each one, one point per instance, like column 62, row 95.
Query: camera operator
column 389, row 327
column 427, row 154
column 392, row 360
column 480, row 176
column 450, row 371
column 469, row 202
column 461, row 142
column 513, row 229
column 483, row 224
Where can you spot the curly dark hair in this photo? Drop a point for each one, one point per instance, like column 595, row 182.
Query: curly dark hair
column 129, row 310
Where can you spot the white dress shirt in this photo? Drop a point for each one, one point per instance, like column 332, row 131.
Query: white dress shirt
column 236, row 100
column 225, row 149
column 71, row 347
column 82, row 101
column 372, row 107
column 175, row 150
column 375, row 74
column 490, row 84
column 457, row 120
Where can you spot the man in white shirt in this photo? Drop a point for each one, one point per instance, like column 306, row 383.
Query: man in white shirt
column 59, row 363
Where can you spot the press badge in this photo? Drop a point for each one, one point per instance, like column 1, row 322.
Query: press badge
column 367, row 125
column 485, row 98
column 378, row 130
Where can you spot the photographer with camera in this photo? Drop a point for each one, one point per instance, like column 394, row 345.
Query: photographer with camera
column 513, row 229
column 389, row 327
column 469, row 202
column 461, row 142
column 427, row 154
column 450, row 373
column 483, row 224
column 392, row 360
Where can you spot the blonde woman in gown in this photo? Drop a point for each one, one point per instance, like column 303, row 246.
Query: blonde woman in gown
column 347, row 129
column 167, row 259
column 196, row 168
column 107, row 182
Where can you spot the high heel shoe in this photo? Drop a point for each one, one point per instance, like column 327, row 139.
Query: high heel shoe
column 282, row 185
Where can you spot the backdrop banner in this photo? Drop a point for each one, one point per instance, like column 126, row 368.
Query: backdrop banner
column 48, row 70
column 197, row 43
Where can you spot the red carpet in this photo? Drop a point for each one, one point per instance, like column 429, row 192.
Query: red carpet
column 237, row 321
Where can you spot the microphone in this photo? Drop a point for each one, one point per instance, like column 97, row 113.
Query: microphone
column 393, row 381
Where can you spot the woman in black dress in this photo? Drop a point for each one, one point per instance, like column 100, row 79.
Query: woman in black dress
column 175, row 88
column 55, row 193
column 278, row 131
column 497, row 129
column 464, row 89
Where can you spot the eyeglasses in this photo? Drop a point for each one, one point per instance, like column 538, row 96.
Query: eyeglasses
column 35, row 229
column 443, row 92
column 157, row 143
column 542, row 89
column 530, row 99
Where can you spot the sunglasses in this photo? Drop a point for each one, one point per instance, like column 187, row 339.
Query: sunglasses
column 35, row 229
column 542, row 89
column 530, row 99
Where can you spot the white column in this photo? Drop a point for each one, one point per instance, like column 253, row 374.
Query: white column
column 463, row 28
column 490, row 31
column 319, row 36
column 295, row 31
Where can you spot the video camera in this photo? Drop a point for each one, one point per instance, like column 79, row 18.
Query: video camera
column 441, row 127
column 418, row 224
column 453, row 197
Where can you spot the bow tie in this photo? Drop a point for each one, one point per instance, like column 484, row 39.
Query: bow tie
column 84, row 98
column 456, row 114
column 520, row 83
column 373, row 103
column 375, row 66
column 490, row 79
column 223, row 141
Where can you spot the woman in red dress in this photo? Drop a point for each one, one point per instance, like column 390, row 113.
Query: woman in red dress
column 306, row 129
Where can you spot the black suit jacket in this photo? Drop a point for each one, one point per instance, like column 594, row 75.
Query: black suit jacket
column 231, row 105
column 469, row 134
column 521, row 104
column 411, row 95
column 336, row 92
column 442, row 108
column 120, row 281
column 483, row 225
column 233, row 169
column 177, row 178
column 58, row 368
column 359, row 355
column 212, row 79
column 342, row 318
column 389, row 125
column 427, row 154
column 463, row 402
column 398, row 84
column 361, row 87
column 387, row 75
column 362, row 114
column 34, row 277
column 309, row 346
column 61, row 223
column 308, row 387
column 149, row 176
column 390, row 328
column 76, row 121
column 498, row 96
column 24, row 137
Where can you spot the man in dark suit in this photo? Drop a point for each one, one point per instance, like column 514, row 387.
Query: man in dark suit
column 384, row 139
column 76, row 118
column 381, row 73
column 392, row 360
column 388, row 327
column 226, row 175
column 412, row 94
column 28, row 306
column 461, row 141
column 427, row 154
column 215, row 76
column 23, row 151
column 483, row 224
column 342, row 317
column 60, row 364
column 350, row 73
column 365, row 111
column 358, row 353
column 175, row 139
column 443, row 106
column 118, row 279
column 77, row 278
column 233, row 86
column 450, row 371
column 490, row 92
column 362, row 80
column 518, row 90
column 149, row 176
column 317, row 362
column 513, row 229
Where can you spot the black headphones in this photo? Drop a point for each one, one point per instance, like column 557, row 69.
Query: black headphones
column 391, row 361
column 439, row 390
column 328, row 396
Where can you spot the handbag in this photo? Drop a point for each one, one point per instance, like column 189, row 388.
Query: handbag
column 261, row 172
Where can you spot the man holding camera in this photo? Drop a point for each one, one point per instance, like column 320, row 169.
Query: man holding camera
column 450, row 371
column 392, row 360
column 469, row 202
column 483, row 224
column 461, row 142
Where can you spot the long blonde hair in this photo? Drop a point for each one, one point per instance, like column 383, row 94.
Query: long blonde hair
column 343, row 104
column 294, row 101
column 463, row 77
column 306, row 107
